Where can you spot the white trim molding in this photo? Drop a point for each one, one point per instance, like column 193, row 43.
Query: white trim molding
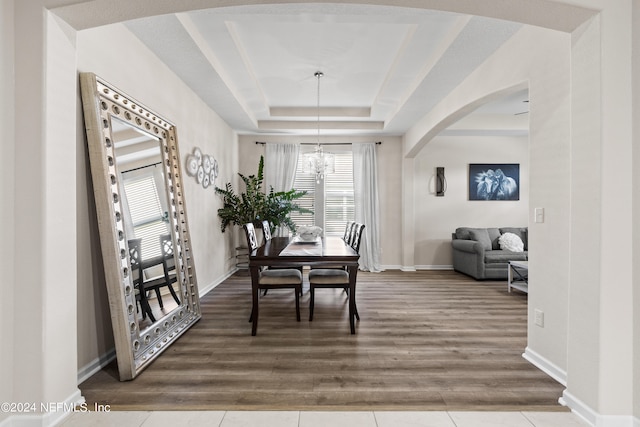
column 103, row 360
column 546, row 366
column 205, row 290
column 595, row 419
column 58, row 412
column 88, row 370
column 434, row 267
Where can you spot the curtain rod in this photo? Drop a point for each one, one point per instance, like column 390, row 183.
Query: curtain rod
column 142, row 167
column 315, row 143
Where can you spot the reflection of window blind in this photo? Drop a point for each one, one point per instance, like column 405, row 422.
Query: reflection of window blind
column 146, row 214
column 338, row 195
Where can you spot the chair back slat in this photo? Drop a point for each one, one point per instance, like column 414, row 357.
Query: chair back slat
column 357, row 237
column 168, row 261
column 266, row 230
column 135, row 258
column 252, row 239
column 347, row 231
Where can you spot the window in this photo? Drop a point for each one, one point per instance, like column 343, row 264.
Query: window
column 331, row 200
column 147, row 214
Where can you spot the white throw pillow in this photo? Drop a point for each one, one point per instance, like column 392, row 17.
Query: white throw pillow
column 511, row 242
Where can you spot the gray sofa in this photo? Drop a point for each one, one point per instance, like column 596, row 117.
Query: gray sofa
column 477, row 253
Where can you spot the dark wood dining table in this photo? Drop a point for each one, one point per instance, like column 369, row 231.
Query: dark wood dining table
column 334, row 251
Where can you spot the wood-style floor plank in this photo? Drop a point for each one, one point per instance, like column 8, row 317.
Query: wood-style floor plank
column 429, row 340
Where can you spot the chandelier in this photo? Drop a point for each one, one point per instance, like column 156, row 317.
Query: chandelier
column 318, row 162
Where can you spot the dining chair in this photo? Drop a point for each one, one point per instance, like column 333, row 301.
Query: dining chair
column 266, row 233
column 347, row 231
column 333, row 278
column 281, row 278
column 356, row 236
column 135, row 259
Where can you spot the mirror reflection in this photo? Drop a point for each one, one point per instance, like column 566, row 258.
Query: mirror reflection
column 146, row 222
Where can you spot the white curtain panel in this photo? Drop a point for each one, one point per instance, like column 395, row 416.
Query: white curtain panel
column 365, row 186
column 280, row 163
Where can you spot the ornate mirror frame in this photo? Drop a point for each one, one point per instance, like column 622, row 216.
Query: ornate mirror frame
column 135, row 348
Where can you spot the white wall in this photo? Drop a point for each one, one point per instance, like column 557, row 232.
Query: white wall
column 139, row 73
column 591, row 380
column 636, row 203
column 437, row 217
column 390, row 175
column 539, row 59
column 7, row 152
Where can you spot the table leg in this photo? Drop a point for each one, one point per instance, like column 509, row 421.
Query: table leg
column 353, row 271
column 255, row 277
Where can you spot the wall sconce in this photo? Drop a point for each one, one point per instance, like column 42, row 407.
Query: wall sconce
column 441, row 182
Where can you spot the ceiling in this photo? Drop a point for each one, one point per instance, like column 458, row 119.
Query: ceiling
column 384, row 67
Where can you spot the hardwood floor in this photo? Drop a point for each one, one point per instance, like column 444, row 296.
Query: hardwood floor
column 426, row 341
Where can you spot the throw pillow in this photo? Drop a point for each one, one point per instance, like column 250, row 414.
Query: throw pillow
column 511, row 242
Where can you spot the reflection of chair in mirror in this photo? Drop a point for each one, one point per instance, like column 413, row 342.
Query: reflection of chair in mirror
column 284, row 278
column 169, row 272
column 169, row 264
column 135, row 258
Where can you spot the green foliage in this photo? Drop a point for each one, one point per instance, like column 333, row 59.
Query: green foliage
column 254, row 205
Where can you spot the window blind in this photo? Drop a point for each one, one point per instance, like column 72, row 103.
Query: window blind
column 338, row 195
column 337, row 189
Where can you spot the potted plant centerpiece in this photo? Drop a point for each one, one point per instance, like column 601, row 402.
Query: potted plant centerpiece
column 255, row 205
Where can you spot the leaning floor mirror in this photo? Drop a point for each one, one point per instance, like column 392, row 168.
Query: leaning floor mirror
column 142, row 221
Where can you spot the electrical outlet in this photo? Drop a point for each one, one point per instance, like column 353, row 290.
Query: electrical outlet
column 539, row 318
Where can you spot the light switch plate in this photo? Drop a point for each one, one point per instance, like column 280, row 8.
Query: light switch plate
column 538, row 215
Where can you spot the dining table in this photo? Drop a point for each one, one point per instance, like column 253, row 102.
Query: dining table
column 293, row 252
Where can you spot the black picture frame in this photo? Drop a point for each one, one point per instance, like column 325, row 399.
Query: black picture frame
column 494, row 181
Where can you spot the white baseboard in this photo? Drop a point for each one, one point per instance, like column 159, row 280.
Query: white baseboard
column 416, row 268
column 595, row 419
column 88, row 370
column 59, row 411
column 434, row 267
column 103, row 360
column 203, row 291
column 546, row 366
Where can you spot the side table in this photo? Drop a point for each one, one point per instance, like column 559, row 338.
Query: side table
column 518, row 276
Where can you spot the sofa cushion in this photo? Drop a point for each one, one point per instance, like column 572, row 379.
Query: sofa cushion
column 521, row 232
column 494, row 235
column 462, row 233
column 481, row 235
column 494, row 257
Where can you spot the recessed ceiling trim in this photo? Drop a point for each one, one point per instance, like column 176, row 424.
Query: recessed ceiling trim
column 324, row 111
column 325, row 125
column 411, row 31
column 202, row 45
column 459, row 25
column 233, row 32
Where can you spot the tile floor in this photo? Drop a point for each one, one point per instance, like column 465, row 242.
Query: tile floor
column 324, row 419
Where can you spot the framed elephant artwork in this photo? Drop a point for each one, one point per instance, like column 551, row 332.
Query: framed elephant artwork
column 494, row 181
